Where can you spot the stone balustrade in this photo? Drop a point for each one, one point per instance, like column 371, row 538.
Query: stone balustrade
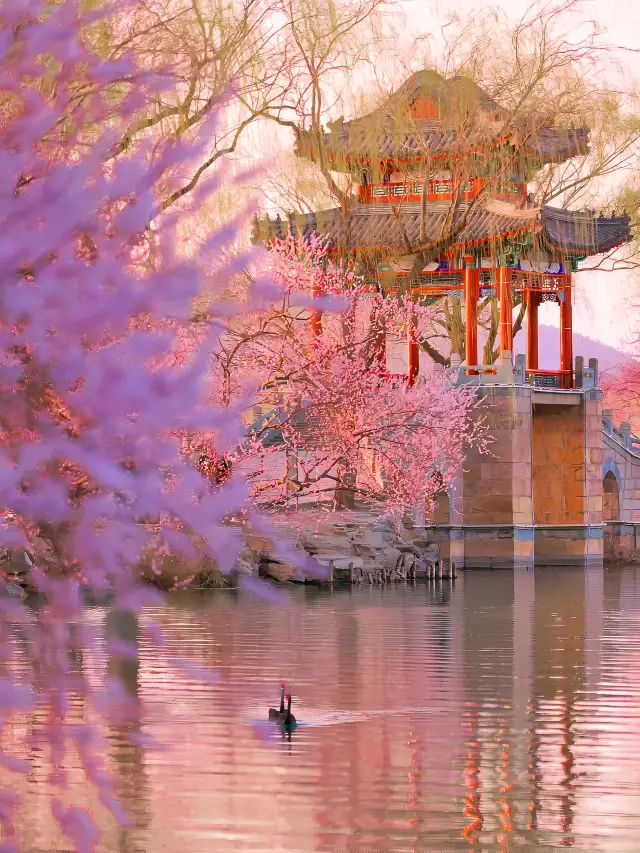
column 514, row 372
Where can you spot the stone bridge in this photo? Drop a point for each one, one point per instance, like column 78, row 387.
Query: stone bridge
column 620, row 488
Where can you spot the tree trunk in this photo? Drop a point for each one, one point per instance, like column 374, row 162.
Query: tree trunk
column 456, row 329
column 345, row 491
column 376, row 349
column 490, row 355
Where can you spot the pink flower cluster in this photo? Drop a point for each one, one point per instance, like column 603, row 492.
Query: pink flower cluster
column 343, row 423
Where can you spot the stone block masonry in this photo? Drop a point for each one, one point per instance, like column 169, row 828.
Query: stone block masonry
column 536, row 495
column 496, row 485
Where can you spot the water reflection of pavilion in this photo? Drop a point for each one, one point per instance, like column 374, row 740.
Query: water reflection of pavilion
column 532, row 654
column 488, row 714
column 496, row 668
column 498, row 712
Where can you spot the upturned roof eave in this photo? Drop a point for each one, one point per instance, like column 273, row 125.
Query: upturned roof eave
column 607, row 233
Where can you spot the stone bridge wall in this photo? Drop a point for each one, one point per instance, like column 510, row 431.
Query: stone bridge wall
column 621, row 489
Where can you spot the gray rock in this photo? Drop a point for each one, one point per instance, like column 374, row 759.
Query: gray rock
column 392, row 558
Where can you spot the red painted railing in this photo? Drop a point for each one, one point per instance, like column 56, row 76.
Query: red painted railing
column 550, row 378
column 411, row 190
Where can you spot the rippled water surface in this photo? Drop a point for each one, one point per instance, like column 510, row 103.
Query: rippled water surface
column 500, row 713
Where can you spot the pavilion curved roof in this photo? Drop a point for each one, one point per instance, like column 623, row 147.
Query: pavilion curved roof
column 381, row 228
column 387, row 133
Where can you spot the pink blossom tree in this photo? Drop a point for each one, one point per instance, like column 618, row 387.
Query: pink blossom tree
column 91, row 410
column 342, row 424
column 107, row 386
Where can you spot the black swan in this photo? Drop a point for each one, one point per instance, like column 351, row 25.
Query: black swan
column 286, row 718
column 273, row 714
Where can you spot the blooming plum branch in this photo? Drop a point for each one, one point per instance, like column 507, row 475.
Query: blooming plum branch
column 335, row 420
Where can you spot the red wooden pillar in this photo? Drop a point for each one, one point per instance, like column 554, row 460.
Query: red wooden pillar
column 506, row 309
column 380, row 349
column 566, row 333
column 470, row 280
column 533, row 300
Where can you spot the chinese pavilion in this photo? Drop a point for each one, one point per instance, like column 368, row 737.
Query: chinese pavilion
column 438, row 206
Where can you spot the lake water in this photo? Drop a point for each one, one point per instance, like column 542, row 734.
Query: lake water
column 499, row 713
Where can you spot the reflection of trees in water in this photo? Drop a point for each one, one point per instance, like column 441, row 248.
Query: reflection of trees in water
column 362, row 657
column 349, row 679
column 360, row 651
column 52, row 753
column 126, row 759
column 349, row 670
column 31, row 649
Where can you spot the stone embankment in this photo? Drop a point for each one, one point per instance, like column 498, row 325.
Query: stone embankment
column 354, row 547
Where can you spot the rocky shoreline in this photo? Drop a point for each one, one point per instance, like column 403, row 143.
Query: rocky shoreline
column 352, row 547
column 345, row 547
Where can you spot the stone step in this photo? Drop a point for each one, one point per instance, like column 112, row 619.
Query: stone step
column 340, row 561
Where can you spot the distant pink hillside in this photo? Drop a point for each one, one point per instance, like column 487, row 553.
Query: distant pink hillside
column 549, row 343
column 549, row 349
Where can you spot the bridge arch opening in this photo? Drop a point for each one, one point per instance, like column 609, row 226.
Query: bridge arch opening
column 610, row 498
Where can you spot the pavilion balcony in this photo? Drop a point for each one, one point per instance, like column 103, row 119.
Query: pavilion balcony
column 549, row 378
column 444, row 189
